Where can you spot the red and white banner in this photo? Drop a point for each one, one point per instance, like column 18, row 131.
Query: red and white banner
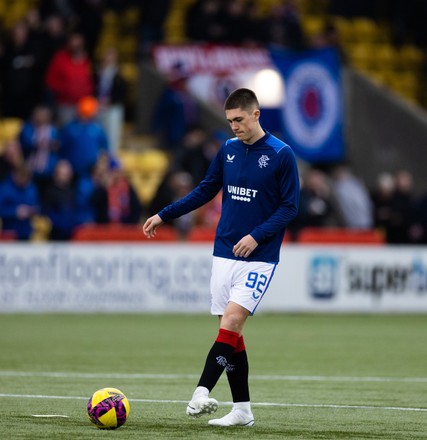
column 212, row 72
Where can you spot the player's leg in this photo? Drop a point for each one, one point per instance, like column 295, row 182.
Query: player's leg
column 224, row 344
column 238, row 378
column 248, row 291
column 218, row 359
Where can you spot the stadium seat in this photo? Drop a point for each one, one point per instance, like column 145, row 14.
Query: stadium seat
column 405, row 84
column 120, row 233
column 130, row 17
column 340, row 236
column 8, row 236
column 145, row 186
column 410, row 58
column 110, row 19
column 128, row 47
column 312, row 25
column 146, row 162
column 10, row 128
column 386, row 56
column 130, row 71
column 201, row 233
column 153, row 161
column 41, row 228
column 364, row 29
column 344, row 28
column 362, row 56
column 380, row 77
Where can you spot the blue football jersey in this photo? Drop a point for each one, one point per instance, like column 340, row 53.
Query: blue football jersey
column 260, row 193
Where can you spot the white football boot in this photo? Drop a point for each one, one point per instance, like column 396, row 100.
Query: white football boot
column 236, row 417
column 201, row 403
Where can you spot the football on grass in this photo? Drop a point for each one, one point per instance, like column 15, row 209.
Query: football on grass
column 108, row 408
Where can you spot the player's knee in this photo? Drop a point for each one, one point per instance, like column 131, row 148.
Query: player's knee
column 233, row 322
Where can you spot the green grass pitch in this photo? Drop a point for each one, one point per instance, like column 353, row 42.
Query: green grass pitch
column 312, row 376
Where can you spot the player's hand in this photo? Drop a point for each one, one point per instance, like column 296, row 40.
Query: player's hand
column 151, row 225
column 245, row 246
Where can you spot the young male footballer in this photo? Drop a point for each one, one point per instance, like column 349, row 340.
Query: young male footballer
column 260, row 190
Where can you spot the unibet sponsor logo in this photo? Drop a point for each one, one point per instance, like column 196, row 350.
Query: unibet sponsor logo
column 242, row 194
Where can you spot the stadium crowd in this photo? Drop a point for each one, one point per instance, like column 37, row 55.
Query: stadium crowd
column 63, row 164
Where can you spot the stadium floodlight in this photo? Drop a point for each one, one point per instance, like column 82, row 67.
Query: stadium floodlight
column 269, row 86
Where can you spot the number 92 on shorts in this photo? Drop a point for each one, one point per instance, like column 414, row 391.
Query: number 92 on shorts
column 242, row 282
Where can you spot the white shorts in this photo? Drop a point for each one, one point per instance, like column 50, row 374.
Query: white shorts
column 242, row 282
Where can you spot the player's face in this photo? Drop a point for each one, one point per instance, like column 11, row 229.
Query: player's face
column 244, row 124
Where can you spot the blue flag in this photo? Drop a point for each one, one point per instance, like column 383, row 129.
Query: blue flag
column 313, row 109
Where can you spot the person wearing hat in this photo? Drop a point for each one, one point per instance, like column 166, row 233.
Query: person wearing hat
column 83, row 139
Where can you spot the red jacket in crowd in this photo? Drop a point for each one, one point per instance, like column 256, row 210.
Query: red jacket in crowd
column 69, row 78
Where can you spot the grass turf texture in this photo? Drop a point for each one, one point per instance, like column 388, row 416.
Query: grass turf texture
column 312, row 376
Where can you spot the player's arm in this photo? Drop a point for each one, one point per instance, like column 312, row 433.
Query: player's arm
column 205, row 191
column 151, row 225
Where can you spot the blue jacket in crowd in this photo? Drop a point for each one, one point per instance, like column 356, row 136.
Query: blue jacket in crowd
column 81, row 144
column 12, row 196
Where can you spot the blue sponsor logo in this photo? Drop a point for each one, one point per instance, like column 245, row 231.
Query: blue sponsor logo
column 323, row 276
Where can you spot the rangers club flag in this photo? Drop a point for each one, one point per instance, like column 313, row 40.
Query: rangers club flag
column 313, row 109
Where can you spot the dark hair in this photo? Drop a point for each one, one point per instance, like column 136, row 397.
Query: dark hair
column 241, row 98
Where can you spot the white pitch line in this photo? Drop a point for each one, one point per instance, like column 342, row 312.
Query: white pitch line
column 72, row 375
column 264, row 404
column 49, row 416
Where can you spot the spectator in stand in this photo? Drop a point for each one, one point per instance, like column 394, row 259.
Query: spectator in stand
column 329, row 37
column 175, row 185
column 207, row 216
column 175, row 111
column 83, row 140
column 89, row 18
column 235, row 20
column 115, row 201
column 2, row 66
column 18, row 203
column 284, row 26
column 402, row 209
column 358, row 8
column 152, row 16
column 243, row 23
column 204, row 21
column 192, row 156
column 382, row 199
column 11, row 158
column 35, row 35
column 39, row 139
column 54, row 38
column 111, row 94
column 419, row 229
column 69, row 77
column 316, row 208
column 353, row 200
column 408, row 22
column 86, row 187
column 60, row 202
column 21, row 70
column 64, row 8
column 254, row 29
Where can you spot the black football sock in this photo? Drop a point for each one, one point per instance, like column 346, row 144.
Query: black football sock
column 238, row 373
column 218, row 358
